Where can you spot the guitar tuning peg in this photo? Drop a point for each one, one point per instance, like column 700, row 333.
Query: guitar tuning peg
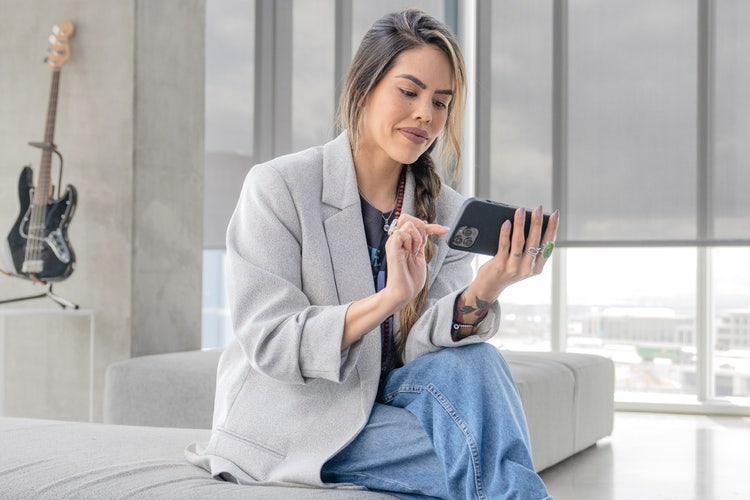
column 57, row 30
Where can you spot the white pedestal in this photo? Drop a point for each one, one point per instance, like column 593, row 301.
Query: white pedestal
column 47, row 363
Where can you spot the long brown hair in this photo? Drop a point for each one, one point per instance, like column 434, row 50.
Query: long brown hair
column 387, row 38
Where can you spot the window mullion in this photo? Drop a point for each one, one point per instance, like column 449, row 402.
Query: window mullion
column 273, row 76
column 342, row 45
column 705, row 337
column 558, row 320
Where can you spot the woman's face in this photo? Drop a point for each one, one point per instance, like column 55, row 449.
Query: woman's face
column 408, row 108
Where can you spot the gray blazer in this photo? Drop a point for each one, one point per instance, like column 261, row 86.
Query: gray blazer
column 287, row 398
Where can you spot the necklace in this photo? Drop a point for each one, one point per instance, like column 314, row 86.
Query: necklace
column 386, row 218
column 396, row 203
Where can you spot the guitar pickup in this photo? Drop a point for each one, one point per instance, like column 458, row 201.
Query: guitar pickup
column 32, row 266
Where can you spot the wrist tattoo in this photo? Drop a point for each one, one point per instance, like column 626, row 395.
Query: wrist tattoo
column 462, row 308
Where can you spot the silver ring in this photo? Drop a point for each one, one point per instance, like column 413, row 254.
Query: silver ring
column 534, row 251
column 393, row 226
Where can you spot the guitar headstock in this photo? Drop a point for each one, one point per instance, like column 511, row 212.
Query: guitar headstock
column 60, row 51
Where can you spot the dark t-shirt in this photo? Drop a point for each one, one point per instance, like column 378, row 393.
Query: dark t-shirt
column 374, row 221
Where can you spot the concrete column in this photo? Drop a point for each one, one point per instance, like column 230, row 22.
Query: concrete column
column 130, row 127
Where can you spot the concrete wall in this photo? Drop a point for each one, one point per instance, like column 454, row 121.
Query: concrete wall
column 130, row 127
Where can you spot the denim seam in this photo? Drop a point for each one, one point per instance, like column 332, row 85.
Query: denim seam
column 460, row 423
column 406, row 487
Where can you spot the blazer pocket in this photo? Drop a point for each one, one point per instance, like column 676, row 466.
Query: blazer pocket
column 255, row 458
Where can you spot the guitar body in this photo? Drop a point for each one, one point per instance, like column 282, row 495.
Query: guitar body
column 56, row 253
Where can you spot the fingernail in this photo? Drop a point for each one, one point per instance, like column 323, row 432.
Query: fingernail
column 506, row 224
column 523, row 212
column 538, row 211
column 555, row 216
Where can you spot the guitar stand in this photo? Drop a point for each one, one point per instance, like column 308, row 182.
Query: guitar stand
column 64, row 303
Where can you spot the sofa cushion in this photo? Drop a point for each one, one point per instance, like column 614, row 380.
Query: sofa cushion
column 561, row 421
column 547, row 394
column 163, row 390
column 568, row 398
column 50, row 460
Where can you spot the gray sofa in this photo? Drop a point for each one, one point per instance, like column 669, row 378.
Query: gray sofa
column 156, row 405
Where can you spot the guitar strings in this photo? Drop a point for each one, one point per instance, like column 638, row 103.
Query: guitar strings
column 37, row 225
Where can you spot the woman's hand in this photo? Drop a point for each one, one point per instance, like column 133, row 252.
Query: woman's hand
column 518, row 259
column 515, row 261
column 407, row 271
column 407, row 267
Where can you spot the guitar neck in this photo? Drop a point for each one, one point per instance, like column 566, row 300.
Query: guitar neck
column 43, row 192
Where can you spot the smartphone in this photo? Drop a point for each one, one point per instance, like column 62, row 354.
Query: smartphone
column 477, row 225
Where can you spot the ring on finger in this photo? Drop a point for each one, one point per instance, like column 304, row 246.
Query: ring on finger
column 534, row 251
column 393, row 226
column 547, row 249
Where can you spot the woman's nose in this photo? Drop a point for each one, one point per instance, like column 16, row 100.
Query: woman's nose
column 423, row 110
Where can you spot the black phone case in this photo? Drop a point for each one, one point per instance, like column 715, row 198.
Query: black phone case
column 477, row 226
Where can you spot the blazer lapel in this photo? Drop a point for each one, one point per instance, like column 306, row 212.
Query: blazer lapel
column 345, row 231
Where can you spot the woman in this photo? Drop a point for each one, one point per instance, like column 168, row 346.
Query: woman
column 348, row 370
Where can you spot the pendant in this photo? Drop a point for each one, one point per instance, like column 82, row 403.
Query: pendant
column 386, row 227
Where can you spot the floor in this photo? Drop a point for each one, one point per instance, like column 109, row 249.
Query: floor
column 660, row 456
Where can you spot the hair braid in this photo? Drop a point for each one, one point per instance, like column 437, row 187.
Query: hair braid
column 427, row 188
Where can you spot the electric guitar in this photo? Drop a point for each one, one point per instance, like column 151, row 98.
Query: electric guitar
column 37, row 247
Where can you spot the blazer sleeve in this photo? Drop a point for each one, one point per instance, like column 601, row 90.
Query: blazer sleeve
column 452, row 272
column 432, row 331
column 282, row 334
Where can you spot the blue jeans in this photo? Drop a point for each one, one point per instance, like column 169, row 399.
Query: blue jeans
column 463, row 434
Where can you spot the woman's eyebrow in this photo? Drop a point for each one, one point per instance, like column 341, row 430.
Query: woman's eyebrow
column 421, row 84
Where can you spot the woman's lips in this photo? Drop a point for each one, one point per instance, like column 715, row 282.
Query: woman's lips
column 415, row 135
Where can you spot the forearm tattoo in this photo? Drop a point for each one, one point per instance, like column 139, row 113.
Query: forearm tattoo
column 480, row 309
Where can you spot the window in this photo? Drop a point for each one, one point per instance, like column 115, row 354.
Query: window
column 731, row 292
column 521, row 149
column 230, row 28
column 732, row 120
column 637, row 307
column 313, row 90
column 650, row 178
column 632, row 123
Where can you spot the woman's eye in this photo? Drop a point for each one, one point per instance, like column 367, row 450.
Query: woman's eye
column 440, row 104
column 408, row 93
